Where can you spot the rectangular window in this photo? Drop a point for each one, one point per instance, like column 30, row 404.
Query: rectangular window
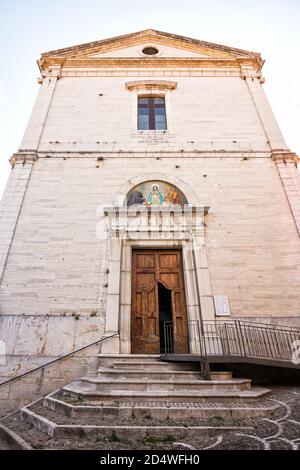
column 151, row 113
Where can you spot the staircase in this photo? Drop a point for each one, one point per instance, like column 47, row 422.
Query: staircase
column 146, row 398
column 133, row 396
column 140, row 377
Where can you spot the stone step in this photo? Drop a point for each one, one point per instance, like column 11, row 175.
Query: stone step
column 163, row 411
column 63, row 431
column 221, row 375
column 108, row 360
column 156, row 390
column 95, row 383
column 85, row 394
column 142, row 374
column 149, row 357
column 137, row 396
column 157, row 365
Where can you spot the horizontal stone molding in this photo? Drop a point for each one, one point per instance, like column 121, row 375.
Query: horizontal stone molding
column 140, row 221
column 145, row 62
column 23, row 157
column 53, row 153
column 284, row 156
column 156, row 209
column 137, row 72
column 150, row 84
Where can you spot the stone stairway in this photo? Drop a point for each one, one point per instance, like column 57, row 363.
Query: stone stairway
column 137, row 377
column 133, row 396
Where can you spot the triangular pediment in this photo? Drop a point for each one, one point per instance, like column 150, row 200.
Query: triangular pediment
column 168, row 45
column 136, row 50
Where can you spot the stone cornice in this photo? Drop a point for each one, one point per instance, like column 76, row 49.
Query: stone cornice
column 151, row 84
column 147, row 62
column 152, row 223
column 23, row 157
column 139, row 37
column 132, row 210
column 284, row 156
column 151, row 153
column 83, row 55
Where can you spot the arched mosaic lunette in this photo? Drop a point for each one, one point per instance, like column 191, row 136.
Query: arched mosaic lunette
column 184, row 188
column 155, row 193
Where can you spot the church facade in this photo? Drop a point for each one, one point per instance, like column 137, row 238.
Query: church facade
column 152, row 185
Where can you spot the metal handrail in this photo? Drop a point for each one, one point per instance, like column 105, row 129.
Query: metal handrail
column 250, row 339
column 240, row 338
column 250, row 322
column 56, row 360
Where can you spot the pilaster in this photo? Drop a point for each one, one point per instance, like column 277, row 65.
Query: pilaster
column 273, row 134
column 113, row 299
column 12, row 200
column 286, row 163
column 37, row 120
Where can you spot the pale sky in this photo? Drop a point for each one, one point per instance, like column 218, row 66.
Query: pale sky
column 29, row 27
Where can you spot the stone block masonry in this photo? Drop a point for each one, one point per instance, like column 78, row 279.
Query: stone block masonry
column 62, row 268
column 81, row 148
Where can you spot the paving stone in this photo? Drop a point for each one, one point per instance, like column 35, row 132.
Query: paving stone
column 280, row 431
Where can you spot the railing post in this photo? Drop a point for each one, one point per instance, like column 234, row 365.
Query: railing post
column 227, row 338
column 165, row 338
column 204, row 362
column 205, row 368
column 203, row 336
column 241, row 338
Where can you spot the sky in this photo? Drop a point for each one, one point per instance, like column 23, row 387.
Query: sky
column 29, row 27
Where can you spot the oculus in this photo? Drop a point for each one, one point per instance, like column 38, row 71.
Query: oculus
column 149, row 50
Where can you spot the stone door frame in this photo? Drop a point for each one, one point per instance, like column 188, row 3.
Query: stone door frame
column 198, row 291
column 199, row 299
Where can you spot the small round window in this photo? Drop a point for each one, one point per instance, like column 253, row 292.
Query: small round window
column 150, row 50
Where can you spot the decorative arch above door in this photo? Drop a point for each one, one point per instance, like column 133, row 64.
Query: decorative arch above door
column 155, row 193
column 181, row 185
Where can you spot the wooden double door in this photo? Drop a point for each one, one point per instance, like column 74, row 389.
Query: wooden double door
column 158, row 307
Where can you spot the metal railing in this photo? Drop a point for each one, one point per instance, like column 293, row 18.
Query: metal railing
column 37, row 382
column 237, row 338
column 168, row 338
column 31, row 371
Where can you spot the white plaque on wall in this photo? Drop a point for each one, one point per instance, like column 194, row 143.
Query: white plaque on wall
column 221, row 305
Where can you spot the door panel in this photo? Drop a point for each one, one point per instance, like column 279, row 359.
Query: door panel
column 145, row 260
column 144, row 317
column 148, row 268
column 171, row 280
column 144, row 280
column 168, row 261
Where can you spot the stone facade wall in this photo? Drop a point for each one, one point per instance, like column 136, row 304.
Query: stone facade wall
column 33, row 386
column 219, row 142
column 35, row 339
column 60, row 270
column 221, row 114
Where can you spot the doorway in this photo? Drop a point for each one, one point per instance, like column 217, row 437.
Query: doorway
column 165, row 319
column 158, row 296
